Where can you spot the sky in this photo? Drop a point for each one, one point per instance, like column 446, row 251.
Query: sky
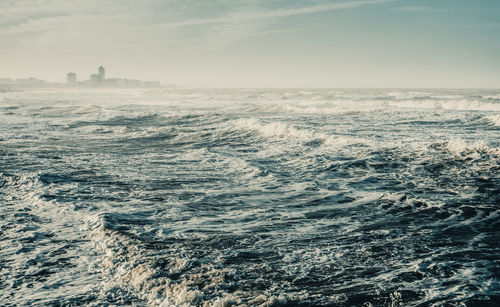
column 257, row 43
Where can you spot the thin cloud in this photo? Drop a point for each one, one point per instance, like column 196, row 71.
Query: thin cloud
column 22, row 21
column 273, row 14
column 23, row 15
column 271, row 32
column 413, row 9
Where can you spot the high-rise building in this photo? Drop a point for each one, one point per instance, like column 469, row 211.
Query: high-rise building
column 71, row 78
column 95, row 80
column 102, row 73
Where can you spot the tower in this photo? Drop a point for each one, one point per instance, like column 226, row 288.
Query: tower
column 102, row 73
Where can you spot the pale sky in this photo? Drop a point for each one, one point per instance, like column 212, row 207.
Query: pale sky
column 256, row 43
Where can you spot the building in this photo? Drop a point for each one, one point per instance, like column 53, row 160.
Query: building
column 116, row 82
column 30, row 81
column 95, row 80
column 102, row 73
column 71, row 78
column 99, row 80
column 128, row 83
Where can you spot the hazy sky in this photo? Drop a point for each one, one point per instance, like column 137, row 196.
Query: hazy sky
column 256, row 43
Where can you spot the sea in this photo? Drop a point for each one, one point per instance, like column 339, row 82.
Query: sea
column 250, row 197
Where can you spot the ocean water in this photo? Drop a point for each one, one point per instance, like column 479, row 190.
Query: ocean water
column 250, row 197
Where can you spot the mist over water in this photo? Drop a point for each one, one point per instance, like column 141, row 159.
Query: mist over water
column 250, row 197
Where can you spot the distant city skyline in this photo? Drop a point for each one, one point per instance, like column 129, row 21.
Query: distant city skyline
column 243, row 43
column 94, row 80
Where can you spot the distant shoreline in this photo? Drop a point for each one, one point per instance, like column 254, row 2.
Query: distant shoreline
column 16, row 87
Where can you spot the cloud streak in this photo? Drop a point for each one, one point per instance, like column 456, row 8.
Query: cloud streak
column 21, row 16
column 413, row 9
column 252, row 16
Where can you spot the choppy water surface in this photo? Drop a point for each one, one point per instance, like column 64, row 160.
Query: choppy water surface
column 256, row 197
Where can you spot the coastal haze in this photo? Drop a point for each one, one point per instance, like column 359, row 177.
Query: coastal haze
column 249, row 153
column 370, row 43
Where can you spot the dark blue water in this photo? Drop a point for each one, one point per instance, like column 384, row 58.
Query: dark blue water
column 250, row 197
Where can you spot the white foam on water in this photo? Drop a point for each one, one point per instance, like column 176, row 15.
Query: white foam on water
column 459, row 147
column 494, row 119
column 455, row 105
column 302, row 108
column 402, row 157
column 281, row 131
column 129, row 272
column 39, row 239
column 491, row 96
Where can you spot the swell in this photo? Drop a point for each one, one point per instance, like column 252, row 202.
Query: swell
column 280, row 197
column 424, row 234
column 171, row 271
column 281, row 131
